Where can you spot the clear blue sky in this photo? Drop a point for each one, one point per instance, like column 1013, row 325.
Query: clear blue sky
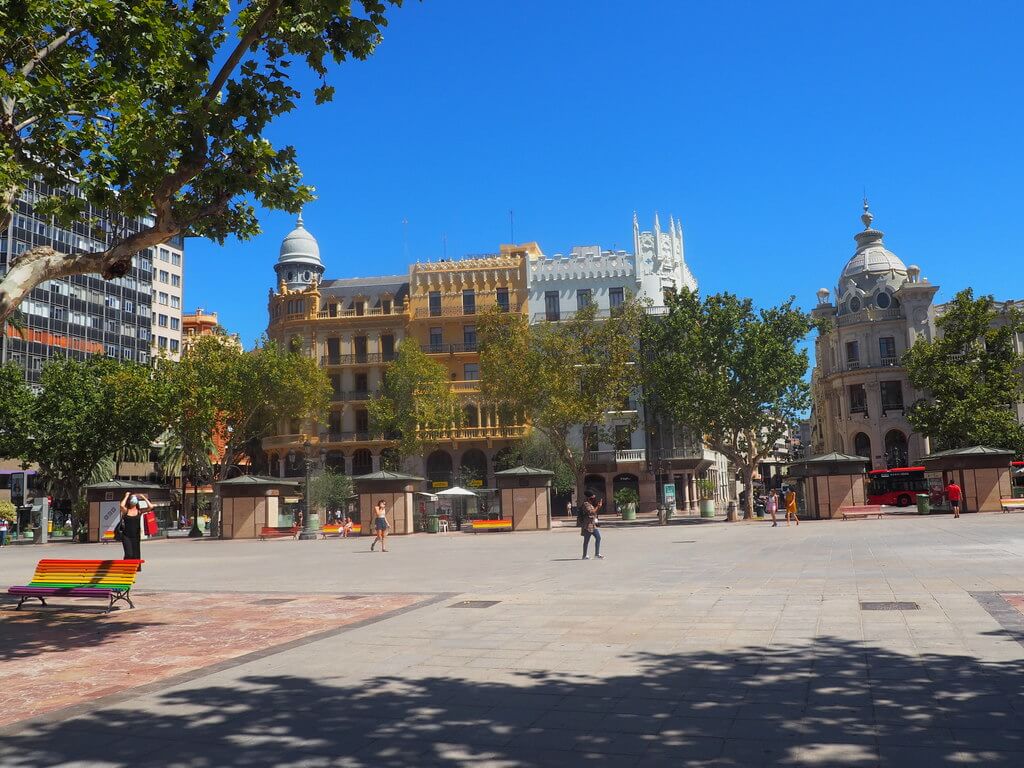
column 758, row 124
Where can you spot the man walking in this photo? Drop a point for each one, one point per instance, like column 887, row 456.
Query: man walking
column 589, row 527
column 954, row 494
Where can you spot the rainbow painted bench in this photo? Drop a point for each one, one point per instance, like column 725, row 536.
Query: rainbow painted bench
column 476, row 526
column 333, row 530
column 279, row 532
column 103, row 579
column 862, row 511
column 1012, row 505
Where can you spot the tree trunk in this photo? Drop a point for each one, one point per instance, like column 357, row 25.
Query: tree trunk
column 748, row 482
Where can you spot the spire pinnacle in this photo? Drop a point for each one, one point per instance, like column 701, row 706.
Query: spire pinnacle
column 866, row 217
column 298, row 221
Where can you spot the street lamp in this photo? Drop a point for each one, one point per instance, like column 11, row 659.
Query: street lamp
column 313, row 457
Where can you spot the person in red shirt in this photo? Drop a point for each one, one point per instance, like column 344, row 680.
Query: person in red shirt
column 954, row 494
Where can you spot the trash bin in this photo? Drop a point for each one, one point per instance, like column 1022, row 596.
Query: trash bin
column 923, row 504
column 663, row 515
column 432, row 526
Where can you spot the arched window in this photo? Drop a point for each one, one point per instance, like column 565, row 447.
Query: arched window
column 862, row 445
column 439, row 468
column 896, row 454
column 473, row 468
column 362, row 462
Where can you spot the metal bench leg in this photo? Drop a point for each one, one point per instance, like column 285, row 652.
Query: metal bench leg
column 29, row 597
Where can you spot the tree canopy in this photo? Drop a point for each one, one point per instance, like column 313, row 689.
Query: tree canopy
column 535, row 450
column 330, row 490
column 415, row 405
column 971, row 376
column 562, row 375
column 729, row 372
column 15, row 412
column 155, row 112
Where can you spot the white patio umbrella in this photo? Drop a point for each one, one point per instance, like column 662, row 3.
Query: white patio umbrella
column 455, row 491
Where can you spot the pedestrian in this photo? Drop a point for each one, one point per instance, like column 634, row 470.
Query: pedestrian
column 773, row 506
column 131, row 524
column 591, row 525
column 346, row 527
column 380, row 525
column 3, row 531
column 954, row 494
column 568, row 508
column 791, row 506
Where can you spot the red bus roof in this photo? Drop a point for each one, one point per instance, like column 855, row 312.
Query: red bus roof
column 897, row 469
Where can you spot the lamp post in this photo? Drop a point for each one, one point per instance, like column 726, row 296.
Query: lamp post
column 312, row 457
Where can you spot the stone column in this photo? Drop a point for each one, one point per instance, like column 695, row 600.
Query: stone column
column 691, row 484
column 348, row 464
column 375, row 462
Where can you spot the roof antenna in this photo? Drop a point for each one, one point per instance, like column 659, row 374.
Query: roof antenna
column 512, row 226
column 405, row 238
column 444, row 245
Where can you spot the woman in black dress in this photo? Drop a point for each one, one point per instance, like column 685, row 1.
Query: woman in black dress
column 131, row 523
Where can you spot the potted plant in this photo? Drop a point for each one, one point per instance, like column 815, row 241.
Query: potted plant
column 706, row 491
column 626, row 500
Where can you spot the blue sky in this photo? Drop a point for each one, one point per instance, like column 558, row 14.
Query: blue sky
column 757, row 124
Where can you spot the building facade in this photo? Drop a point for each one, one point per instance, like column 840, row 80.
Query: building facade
column 196, row 325
column 860, row 388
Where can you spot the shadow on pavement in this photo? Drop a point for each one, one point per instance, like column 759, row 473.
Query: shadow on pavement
column 36, row 629
column 832, row 703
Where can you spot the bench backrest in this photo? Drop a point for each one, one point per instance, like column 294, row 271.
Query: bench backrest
column 110, row 574
column 491, row 523
column 862, row 508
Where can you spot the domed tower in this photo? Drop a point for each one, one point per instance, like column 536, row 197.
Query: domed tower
column 298, row 263
column 872, row 276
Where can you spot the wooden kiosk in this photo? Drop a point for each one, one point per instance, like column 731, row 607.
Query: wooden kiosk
column 526, row 497
column 829, row 482
column 104, row 500
column 251, row 502
column 396, row 489
column 983, row 473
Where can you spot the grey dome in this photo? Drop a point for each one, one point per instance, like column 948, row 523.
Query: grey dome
column 299, row 247
column 872, row 263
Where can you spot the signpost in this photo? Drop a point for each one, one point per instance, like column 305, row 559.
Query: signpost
column 669, row 494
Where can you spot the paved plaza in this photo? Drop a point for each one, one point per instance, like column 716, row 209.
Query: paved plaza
column 699, row 644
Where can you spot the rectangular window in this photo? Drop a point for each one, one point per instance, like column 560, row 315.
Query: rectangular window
column 551, row 306
column 161, row 341
column 436, row 339
column 161, row 320
column 176, row 281
column 385, row 306
column 143, row 357
column 887, row 350
column 623, row 438
column 164, row 276
column 858, row 399
column 175, row 302
column 359, row 342
column 469, row 302
column 852, row 354
column 591, row 439
column 387, row 347
column 471, row 372
column 165, row 255
column 892, row 395
column 616, row 298
column 335, row 379
column 111, row 350
column 162, row 298
column 174, row 345
column 361, row 382
column 469, row 337
column 175, row 324
column 435, row 303
column 501, row 299
column 584, row 298
column 176, row 259
column 129, row 306
column 362, row 420
column 113, row 302
column 360, row 308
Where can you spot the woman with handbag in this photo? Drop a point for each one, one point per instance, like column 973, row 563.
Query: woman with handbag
column 131, row 524
column 589, row 526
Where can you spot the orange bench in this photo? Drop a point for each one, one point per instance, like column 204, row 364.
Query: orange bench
column 489, row 525
column 864, row 510
column 279, row 532
column 106, row 579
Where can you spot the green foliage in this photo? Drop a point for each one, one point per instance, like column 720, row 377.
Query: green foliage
column 705, row 488
column 415, row 404
column 535, row 450
column 15, row 412
column 729, row 372
column 8, row 511
column 330, row 490
column 160, row 107
column 971, row 375
column 86, row 412
column 561, row 375
column 625, row 497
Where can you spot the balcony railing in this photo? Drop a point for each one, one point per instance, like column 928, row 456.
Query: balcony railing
column 858, row 364
column 510, row 432
column 627, row 456
column 352, row 395
column 462, row 311
column 325, row 314
column 353, row 437
column 448, row 349
column 861, row 409
column 468, row 387
column 359, row 358
column 870, row 315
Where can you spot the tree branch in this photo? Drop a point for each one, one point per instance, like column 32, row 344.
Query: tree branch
column 42, row 53
column 243, row 45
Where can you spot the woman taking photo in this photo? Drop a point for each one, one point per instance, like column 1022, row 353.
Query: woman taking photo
column 132, row 507
column 380, row 525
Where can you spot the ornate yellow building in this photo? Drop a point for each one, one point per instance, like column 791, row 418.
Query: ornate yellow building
column 354, row 327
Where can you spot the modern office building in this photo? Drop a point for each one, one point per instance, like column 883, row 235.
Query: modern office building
column 860, row 388
column 84, row 314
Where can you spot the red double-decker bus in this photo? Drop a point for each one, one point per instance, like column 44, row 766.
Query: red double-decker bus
column 898, row 486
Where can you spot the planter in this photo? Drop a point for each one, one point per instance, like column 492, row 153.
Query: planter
column 707, row 507
column 628, row 511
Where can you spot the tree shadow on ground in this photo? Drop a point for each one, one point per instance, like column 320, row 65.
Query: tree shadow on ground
column 37, row 629
column 831, row 703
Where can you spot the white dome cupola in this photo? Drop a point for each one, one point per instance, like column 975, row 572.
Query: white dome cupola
column 298, row 261
column 872, row 275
